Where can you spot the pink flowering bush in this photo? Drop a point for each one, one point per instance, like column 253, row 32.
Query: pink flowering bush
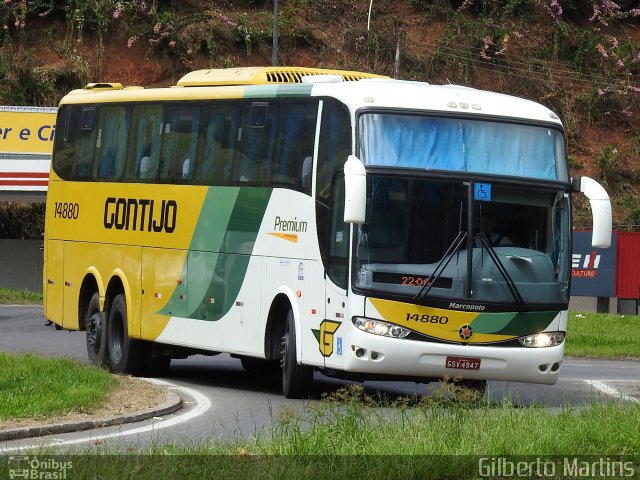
column 610, row 66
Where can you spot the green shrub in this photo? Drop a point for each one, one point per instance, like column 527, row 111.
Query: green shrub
column 21, row 220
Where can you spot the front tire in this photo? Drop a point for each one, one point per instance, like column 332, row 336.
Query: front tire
column 296, row 379
column 95, row 332
column 126, row 355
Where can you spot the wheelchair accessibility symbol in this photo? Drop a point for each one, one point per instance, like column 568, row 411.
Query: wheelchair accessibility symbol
column 482, row 192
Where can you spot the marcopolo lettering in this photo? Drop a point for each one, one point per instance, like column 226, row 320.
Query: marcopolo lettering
column 283, row 225
column 140, row 214
column 465, row 306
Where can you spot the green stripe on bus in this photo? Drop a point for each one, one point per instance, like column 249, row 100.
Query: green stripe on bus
column 214, row 219
column 205, row 246
column 218, row 257
column 516, row 324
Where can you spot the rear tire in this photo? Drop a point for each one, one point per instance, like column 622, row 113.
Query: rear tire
column 126, row 355
column 296, row 379
column 95, row 332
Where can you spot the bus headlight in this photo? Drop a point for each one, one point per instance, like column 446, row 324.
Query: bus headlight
column 544, row 339
column 378, row 327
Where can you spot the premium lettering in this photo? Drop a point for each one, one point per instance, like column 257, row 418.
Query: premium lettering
column 140, row 214
column 283, row 225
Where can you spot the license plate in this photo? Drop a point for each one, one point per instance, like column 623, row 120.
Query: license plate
column 463, row 363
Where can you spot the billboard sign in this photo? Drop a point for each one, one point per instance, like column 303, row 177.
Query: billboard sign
column 26, row 142
column 593, row 270
column 27, row 130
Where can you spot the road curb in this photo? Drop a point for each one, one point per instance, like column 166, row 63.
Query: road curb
column 172, row 404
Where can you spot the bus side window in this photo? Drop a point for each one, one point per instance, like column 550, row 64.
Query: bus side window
column 217, row 143
column 74, row 146
column 256, row 139
column 144, row 143
column 296, row 135
column 62, row 160
column 337, row 264
column 85, row 141
column 180, row 137
column 333, row 148
column 111, row 141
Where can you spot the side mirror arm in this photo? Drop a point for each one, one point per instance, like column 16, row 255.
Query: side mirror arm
column 600, row 209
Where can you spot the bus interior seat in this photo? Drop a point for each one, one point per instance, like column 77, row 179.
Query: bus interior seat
column 143, row 171
column 305, row 173
column 186, row 169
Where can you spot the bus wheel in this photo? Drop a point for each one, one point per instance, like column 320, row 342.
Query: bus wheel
column 126, row 355
column 296, row 379
column 96, row 337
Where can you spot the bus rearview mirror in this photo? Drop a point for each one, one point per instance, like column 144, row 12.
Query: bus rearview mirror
column 355, row 190
column 600, row 210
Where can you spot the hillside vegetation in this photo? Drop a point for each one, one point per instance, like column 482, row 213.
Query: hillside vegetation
column 581, row 58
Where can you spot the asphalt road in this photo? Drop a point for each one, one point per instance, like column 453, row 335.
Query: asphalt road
column 225, row 403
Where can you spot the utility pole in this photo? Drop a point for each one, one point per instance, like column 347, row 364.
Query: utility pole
column 396, row 69
column 274, row 50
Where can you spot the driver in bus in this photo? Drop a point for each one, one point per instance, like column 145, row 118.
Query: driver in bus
column 487, row 227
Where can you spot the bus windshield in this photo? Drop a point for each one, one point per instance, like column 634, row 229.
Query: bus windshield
column 462, row 145
column 423, row 239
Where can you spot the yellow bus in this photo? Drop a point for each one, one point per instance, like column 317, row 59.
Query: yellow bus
column 313, row 220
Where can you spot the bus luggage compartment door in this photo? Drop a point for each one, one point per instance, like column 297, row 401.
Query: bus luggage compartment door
column 54, row 281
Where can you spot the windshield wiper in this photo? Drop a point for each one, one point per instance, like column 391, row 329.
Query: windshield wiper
column 503, row 271
column 441, row 266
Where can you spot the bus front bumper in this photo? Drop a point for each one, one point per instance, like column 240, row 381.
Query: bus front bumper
column 371, row 354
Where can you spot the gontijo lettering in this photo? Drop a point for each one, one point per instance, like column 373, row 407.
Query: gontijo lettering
column 140, row 214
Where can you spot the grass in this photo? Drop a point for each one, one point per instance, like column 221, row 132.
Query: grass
column 452, row 421
column 37, row 387
column 350, row 436
column 19, row 297
column 600, row 335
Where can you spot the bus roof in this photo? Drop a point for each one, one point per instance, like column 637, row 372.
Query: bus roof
column 450, row 99
column 355, row 89
column 263, row 75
